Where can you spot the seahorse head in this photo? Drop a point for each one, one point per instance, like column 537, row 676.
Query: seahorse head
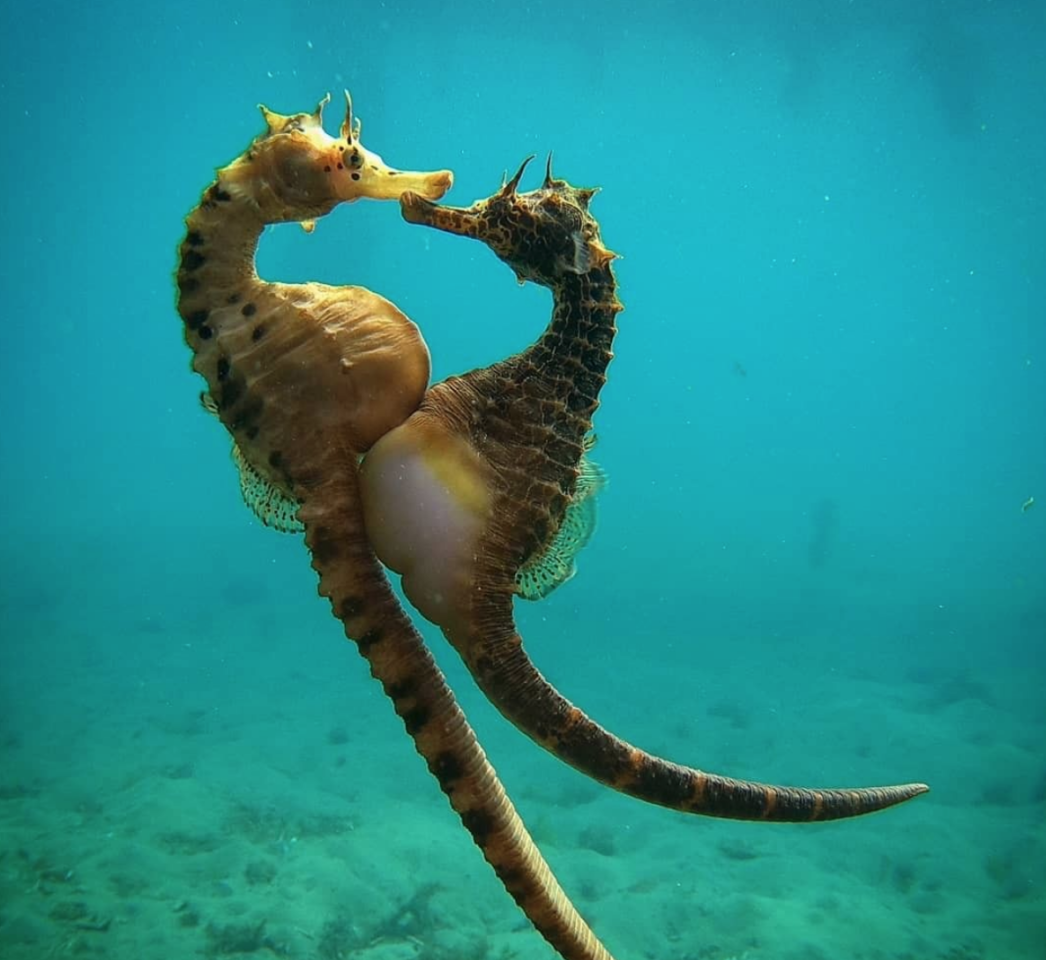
column 297, row 171
column 542, row 235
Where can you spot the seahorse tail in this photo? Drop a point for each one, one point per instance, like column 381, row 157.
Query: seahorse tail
column 514, row 685
column 355, row 584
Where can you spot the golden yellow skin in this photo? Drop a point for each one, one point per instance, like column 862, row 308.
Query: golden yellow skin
column 306, row 377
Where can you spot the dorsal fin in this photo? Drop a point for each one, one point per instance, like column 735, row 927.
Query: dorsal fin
column 266, row 501
column 557, row 563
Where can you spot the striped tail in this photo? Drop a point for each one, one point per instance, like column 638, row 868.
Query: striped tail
column 506, row 674
column 360, row 596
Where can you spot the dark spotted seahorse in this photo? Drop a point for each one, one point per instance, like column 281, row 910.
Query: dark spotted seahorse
column 474, row 487
column 306, row 377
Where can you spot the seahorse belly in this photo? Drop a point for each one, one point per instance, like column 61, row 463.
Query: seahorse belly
column 426, row 502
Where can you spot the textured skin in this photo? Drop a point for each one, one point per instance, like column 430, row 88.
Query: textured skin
column 527, row 418
column 306, row 377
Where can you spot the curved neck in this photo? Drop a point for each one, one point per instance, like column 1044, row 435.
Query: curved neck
column 216, row 265
column 569, row 360
column 581, row 331
column 528, row 417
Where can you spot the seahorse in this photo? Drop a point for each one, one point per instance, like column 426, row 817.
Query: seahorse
column 306, row 377
column 476, row 484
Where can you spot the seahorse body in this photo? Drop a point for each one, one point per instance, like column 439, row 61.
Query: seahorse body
column 477, row 482
column 306, row 377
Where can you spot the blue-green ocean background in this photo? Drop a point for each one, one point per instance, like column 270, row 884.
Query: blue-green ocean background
column 825, row 412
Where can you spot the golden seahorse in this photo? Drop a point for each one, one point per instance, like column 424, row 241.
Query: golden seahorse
column 306, row 377
column 474, row 487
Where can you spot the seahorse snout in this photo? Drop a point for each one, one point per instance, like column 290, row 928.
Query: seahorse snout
column 377, row 181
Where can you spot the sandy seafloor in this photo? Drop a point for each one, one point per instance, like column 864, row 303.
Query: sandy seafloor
column 252, row 794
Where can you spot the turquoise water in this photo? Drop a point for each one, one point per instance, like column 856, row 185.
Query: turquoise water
column 825, row 413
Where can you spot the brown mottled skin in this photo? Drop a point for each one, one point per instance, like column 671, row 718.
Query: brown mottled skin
column 527, row 418
column 306, row 377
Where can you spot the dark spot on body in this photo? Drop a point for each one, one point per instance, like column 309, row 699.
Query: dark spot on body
column 197, row 319
column 508, row 874
column 258, row 332
column 247, row 413
column 514, row 881
column 369, row 639
column 415, row 718
column 232, row 298
column 325, row 549
column 276, row 460
column 223, row 368
column 232, row 389
column 249, row 310
column 193, row 260
column 479, row 824
column 355, row 176
column 518, row 894
column 194, row 238
column 219, row 193
column 349, row 608
column 327, row 168
column 400, row 689
column 188, row 284
column 205, row 332
column 446, row 768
